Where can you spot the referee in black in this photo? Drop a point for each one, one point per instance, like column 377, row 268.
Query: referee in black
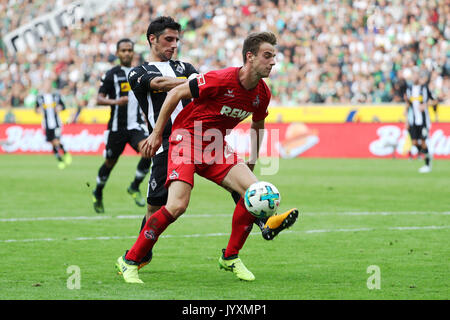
column 126, row 124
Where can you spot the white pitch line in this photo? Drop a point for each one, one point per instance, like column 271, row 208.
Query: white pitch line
column 418, row 228
column 383, row 213
column 126, row 217
column 53, row 218
column 336, row 230
column 205, row 235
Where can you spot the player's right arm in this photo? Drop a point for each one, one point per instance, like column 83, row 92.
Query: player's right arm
column 142, row 81
column 154, row 141
column 103, row 100
column 165, row 83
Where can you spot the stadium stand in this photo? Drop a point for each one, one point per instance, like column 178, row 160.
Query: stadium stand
column 329, row 51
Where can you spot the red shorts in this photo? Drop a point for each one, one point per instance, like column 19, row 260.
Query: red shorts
column 209, row 160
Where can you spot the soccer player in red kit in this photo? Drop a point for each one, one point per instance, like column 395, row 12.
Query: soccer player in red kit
column 221, row 99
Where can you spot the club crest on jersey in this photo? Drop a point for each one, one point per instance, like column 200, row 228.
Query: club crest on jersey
column 235, row 112
column 153, row 184
column 179, row 69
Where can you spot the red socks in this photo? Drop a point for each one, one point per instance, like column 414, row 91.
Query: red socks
column 157, row 223
column 242, row 224
column 240, row 229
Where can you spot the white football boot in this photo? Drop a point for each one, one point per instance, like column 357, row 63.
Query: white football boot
column 425, row 169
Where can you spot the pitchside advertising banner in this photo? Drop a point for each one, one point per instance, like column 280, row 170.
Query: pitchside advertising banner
column 286, row 140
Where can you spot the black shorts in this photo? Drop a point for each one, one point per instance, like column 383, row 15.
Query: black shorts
column 418, row 132
column 52, row 134
column 117, row 140
column 157, row 192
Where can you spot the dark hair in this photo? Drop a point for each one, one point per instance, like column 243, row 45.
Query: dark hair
column 122, row 41
column 254, row 40
column 160, row 24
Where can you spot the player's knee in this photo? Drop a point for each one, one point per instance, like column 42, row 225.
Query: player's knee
column 177, row 209
column 151, row 210
column 180, row 209
column 110, row 163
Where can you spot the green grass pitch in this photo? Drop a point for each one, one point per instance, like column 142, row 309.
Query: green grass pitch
column 354, row 214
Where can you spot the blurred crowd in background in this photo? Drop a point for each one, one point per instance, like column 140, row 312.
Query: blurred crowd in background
column 330, row 51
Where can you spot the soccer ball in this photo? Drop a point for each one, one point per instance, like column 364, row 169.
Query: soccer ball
column 262, row 199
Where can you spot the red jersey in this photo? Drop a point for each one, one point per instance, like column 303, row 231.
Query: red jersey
column 221, row 102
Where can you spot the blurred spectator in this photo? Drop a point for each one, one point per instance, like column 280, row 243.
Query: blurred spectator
column 9, row 116
column 16, row 95
column 331, row 51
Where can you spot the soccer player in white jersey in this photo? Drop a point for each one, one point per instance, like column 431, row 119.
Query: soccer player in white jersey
column 50, row 103
column 418, row 97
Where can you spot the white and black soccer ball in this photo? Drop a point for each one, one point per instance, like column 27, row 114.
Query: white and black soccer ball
column 262, row 199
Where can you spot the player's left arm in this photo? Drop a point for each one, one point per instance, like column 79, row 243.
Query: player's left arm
column 257, row 127
column 154, row 141
column 37, row 107
column 165, row 84
column 432, row 98
column 256, row 138
column 61, row 102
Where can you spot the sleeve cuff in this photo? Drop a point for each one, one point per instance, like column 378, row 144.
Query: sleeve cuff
column 193, row 85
